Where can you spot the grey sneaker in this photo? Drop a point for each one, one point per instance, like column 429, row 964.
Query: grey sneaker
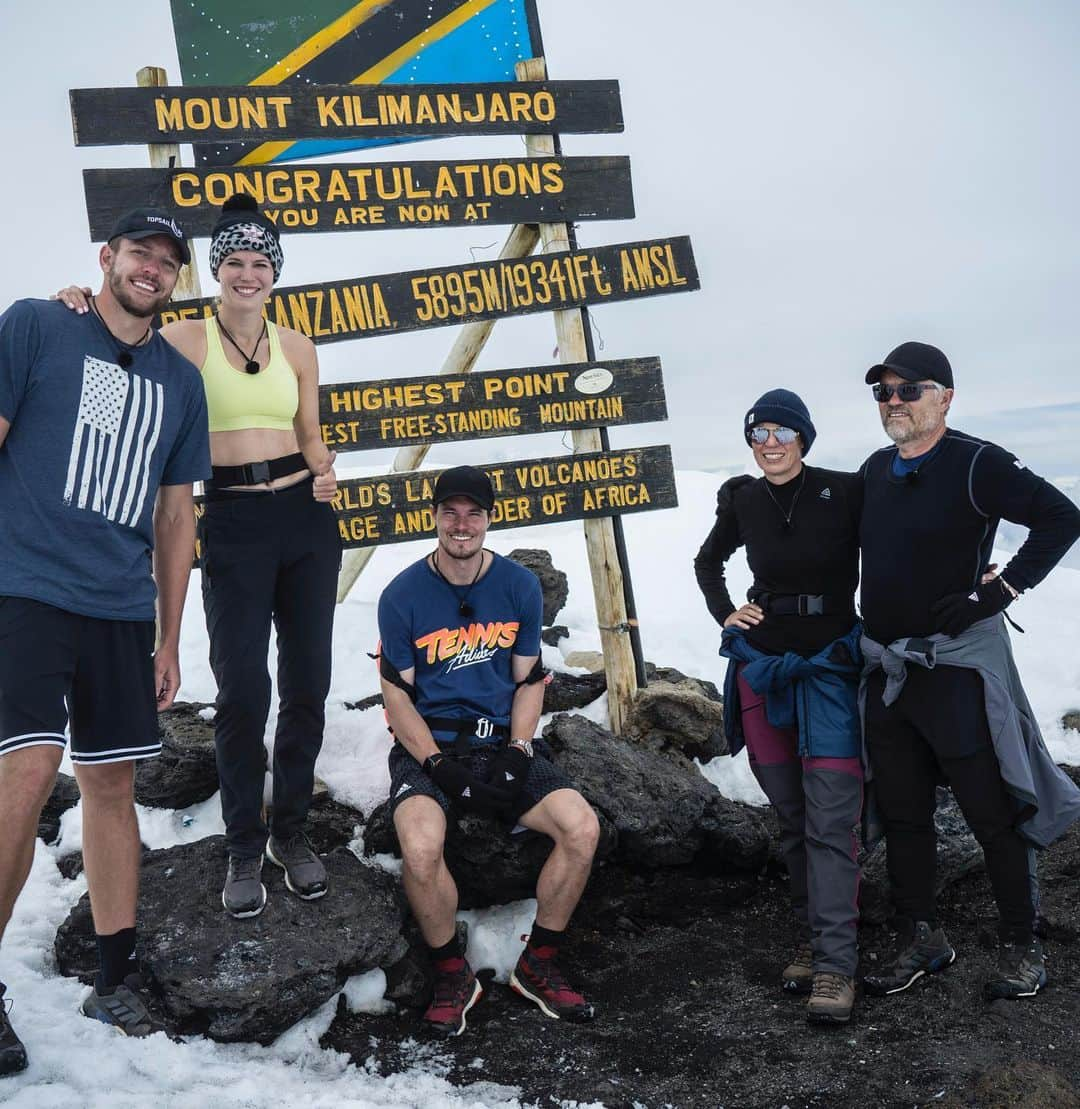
column 926, row 951
column 123, row 1008
column 832, row 997
column 244, row 894
column 1021, row 971
column 12, row 1053
column 305, row 874
column 798, row 975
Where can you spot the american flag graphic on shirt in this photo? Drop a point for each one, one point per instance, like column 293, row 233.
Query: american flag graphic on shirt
column 116, row 431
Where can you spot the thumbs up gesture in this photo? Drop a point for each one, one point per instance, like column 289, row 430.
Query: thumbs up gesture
column 324, row 488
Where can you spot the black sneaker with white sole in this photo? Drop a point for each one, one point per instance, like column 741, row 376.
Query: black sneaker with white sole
column 1021, row 972
column 305, row 874
column 12, row 1053
column 244, row 895
column 123, row 1008
column 924, row 951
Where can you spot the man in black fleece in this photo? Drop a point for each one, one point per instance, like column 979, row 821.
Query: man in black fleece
column 932, row 503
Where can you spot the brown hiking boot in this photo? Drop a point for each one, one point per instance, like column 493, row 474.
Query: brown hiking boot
column 832, row 997
column 799, row 973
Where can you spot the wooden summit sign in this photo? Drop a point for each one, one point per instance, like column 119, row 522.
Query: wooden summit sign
column 360, row 307
column 400, row 412
column 394, row 508
column 373, row 195
column 246, row 113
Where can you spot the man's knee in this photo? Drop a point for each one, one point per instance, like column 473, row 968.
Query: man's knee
column 109, row 784
column 27, row 776
column 421, row 831
column 578, row 826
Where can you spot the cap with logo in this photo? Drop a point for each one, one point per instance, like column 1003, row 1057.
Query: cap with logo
column 142, row 223
column 464, row 481
column 914, row 362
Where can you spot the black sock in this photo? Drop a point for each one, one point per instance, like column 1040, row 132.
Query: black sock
column 116, row 955
column 546, row 938
column 447, row 952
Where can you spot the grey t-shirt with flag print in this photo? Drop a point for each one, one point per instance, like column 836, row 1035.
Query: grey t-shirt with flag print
column 89, row 445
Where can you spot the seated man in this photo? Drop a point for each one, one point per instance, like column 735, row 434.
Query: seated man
column 463, row 690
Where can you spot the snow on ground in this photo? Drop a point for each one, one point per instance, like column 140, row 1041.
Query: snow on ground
column 77, row 1063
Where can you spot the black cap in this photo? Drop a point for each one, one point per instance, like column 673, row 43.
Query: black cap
column 141, row 223
column 464, row 481
column 914, row 362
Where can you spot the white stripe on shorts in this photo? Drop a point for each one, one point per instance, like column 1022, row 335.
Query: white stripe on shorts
column 32, row 739
column 118, row 754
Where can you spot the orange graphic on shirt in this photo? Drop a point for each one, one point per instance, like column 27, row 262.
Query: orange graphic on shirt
column 449, row 643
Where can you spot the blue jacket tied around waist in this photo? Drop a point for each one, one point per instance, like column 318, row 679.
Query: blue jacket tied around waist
column 816, row 695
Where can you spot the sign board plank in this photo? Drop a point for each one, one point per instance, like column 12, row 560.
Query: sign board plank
column 372, row 196
column 244, row 113
column 394, row 508
column 365, row 306
column 399, row 412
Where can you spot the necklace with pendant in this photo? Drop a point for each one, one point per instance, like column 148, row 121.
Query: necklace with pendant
column 464, row 608
column 250, row 365
column 794, row 501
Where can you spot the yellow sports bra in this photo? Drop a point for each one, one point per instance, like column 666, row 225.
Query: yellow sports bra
column 237, row 400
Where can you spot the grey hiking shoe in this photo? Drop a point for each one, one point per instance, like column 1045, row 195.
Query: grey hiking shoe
column 244, row 894
column 925, row 951
column 123, row 1008
column 305, row 874
column 1021, row 971
column 12, row 1053
column 832, row 997
column 798, row 975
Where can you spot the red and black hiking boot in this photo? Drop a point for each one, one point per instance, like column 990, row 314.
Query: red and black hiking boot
column 537, row 978
column 456, row 992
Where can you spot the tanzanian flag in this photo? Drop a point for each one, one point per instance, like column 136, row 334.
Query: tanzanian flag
column 278, row 42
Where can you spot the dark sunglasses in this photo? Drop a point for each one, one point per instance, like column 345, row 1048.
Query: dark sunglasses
column 783, row 435
column 907, row 391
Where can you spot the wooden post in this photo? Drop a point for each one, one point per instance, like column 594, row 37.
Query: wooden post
column 599, row 534
column 167, row 156
column 520, row 243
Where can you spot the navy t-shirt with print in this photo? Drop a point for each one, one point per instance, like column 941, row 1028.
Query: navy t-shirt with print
column 88, row 446
column 463, row 664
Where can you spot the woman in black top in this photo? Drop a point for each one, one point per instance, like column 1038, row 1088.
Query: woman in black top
column 790, row 691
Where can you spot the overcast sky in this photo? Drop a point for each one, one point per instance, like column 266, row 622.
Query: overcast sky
column 851, row 175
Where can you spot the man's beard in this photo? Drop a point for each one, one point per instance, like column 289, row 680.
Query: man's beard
column 909, row 430
column 123, row 298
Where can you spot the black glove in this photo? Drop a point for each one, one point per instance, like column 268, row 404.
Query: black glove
column 508, row 771
column 463, row 788
column 955, row 613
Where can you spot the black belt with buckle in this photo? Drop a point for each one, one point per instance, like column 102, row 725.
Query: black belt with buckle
column 803, row 604
column 257, row 473
column 464, row 728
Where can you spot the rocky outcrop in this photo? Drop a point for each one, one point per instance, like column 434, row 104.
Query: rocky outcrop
column 65, row 795
column 553, row 582
column 185, row 772
column 678, row 715
column 566, row 692
column 246, row 980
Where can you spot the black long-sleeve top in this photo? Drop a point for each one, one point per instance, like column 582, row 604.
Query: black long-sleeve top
column 817, row 553
column 930, row 533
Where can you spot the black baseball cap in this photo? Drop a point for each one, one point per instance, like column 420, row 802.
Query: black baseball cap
column 914, row 362
column 141, row 223
column 464, row 481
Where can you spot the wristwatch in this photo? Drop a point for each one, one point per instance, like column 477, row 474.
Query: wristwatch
column 522, row 745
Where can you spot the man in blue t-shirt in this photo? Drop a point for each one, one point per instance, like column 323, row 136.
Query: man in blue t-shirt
column 463, row 690
column 103, row 430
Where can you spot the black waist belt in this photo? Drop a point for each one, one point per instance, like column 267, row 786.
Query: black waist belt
column 258, row 473
column 804, row 604
column 464, row 728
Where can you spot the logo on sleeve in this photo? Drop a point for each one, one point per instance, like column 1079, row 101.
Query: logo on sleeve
column 825, row 494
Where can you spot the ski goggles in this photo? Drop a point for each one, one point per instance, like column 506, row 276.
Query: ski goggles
column 907, row 391
column 783, row 435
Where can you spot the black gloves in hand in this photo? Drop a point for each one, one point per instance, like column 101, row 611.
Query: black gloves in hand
column 509, row 769
column 956, row 613
column 464, row 789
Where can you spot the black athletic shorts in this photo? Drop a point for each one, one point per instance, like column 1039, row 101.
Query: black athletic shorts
column 57, row 666
column 408, row 778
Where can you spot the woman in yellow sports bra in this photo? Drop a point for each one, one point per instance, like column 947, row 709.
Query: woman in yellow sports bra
column 271, row 551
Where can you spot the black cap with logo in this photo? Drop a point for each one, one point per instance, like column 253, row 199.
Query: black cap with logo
column 142, row 223
column 464, row 481
column 914, row 362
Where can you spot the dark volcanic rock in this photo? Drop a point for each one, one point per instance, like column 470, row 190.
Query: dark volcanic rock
column 365, row 702
column 64, row 796
column 246, row 980
column 552, row 635
column 554, row 583
column 185, row 772
column 566, row 692
column 677, row 677
column 330, row 824
column 1071, row 720
column 678, row 715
